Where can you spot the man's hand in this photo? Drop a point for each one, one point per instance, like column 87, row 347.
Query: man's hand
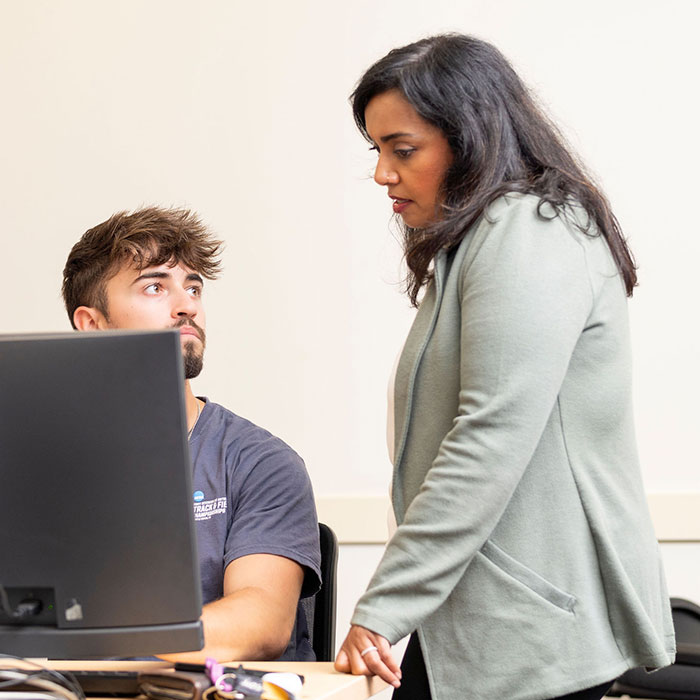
column 377, row 660
column 255, row 617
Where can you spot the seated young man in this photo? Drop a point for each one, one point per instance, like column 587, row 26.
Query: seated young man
column 255, row 517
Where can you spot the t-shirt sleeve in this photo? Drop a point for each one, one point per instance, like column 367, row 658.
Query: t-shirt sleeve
column 274, row 512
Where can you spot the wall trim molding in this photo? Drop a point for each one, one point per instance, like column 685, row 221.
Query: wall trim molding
column 362, row 519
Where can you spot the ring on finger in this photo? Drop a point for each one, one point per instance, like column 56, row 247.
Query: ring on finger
column 367, row 650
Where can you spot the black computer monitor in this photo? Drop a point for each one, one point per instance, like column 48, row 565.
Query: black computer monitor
column 97, row 540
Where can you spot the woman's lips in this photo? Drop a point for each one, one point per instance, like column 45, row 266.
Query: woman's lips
column 400, row 204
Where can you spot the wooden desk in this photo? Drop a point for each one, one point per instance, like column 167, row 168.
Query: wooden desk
column 321, row 680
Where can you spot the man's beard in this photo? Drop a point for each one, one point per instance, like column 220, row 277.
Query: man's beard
column 194, row 361
column 192, row 356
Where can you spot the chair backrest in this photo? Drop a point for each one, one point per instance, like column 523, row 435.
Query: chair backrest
column 320, row 610
column 681, row 680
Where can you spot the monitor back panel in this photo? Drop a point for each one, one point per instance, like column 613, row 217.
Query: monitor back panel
column 95, row 495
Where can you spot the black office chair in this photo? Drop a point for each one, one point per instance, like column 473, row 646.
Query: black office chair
column 681, row 680
column 320, row 610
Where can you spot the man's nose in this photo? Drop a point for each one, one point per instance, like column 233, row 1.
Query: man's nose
column 184, row 304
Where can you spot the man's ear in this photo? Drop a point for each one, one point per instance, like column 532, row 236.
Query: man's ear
column 88, row 318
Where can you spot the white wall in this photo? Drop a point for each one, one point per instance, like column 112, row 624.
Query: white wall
column 239, row 110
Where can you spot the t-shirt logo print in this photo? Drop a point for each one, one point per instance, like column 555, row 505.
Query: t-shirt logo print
column 205, row 510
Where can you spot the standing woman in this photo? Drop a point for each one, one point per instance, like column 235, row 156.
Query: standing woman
column 525, row 566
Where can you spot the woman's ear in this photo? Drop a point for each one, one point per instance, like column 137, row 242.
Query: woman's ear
column 88, row 318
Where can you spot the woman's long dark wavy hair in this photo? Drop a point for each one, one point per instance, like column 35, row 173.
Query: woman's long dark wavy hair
column 500, row 139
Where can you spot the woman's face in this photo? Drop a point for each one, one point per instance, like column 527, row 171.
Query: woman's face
column 414, row 157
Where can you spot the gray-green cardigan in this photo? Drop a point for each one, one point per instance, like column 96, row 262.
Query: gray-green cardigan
column 525, row 556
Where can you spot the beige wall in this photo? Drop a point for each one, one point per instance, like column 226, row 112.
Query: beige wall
column 239, row 110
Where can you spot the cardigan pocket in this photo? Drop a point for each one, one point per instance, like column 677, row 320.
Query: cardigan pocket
column 528, row 578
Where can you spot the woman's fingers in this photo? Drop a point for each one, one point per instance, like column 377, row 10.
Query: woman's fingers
column 342, row 663
column 383, row 665
column 387, row 656
column 365, row 653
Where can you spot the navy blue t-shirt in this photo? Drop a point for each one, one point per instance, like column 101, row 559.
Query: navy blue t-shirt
column 252, row 495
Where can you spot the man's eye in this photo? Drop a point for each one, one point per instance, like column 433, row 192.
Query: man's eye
column 195, row 291
column 152, row 288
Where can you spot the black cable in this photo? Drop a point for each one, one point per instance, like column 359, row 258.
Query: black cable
column 5, row 602
column 24, row 609
column 66, row 681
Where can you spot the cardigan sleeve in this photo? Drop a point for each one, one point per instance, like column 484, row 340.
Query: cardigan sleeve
column 525, row 297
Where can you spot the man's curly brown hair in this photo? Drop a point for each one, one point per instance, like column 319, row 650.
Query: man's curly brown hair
column 147, row 237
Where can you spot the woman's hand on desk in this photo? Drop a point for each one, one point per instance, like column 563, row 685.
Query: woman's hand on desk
column 377, row 658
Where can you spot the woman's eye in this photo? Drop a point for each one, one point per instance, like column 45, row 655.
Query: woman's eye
column 404, row 152
column 374, row 148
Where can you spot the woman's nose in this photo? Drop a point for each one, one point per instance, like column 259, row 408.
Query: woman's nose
column 385, row 174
